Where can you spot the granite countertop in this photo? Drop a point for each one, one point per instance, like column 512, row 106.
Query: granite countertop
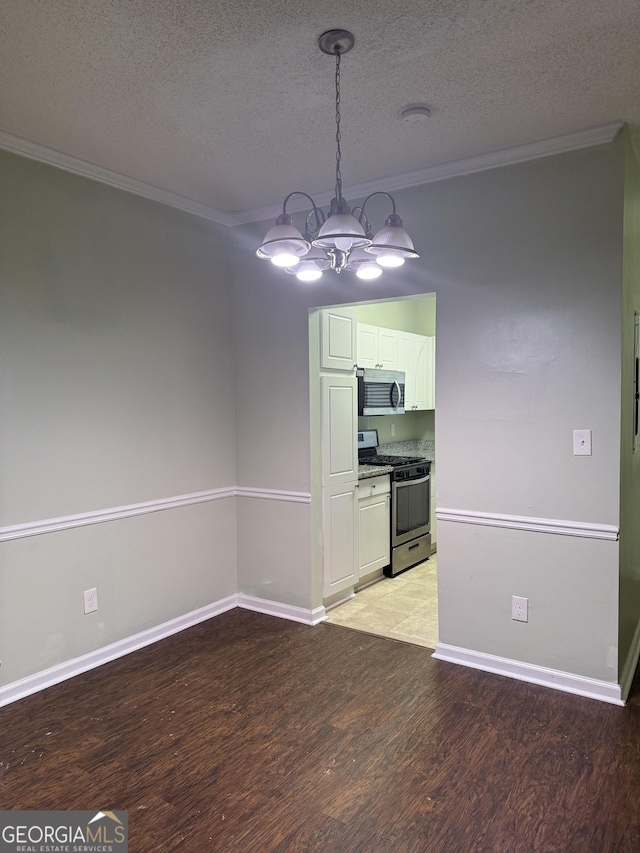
column 366, row 471
column 426, row 449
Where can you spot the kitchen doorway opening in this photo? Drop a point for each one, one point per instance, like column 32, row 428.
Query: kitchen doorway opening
column 393, row 334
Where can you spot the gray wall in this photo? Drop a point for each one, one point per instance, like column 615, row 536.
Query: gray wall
column 116, row 387
column 123, row 351
column 525, row 262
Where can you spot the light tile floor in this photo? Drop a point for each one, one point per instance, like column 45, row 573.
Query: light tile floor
column 404, row 608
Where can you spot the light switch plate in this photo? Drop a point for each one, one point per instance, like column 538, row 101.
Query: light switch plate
column 582, row 442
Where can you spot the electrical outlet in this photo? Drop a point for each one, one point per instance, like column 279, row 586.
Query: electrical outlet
column 519, row 608
column 393, row 430
column 90, row 600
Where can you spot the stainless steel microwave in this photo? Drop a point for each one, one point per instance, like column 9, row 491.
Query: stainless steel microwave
column 380, row 392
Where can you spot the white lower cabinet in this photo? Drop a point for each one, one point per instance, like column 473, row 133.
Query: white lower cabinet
column 374, row 515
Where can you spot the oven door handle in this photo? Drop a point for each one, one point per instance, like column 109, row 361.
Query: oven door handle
column 400, row 483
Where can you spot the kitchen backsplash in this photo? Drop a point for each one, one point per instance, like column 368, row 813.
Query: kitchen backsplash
column 425, row 448
column 412, row 426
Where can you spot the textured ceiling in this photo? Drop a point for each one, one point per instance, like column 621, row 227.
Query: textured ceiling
column 230, row 103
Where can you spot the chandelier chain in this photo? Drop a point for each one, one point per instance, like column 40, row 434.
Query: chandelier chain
column 338, row 135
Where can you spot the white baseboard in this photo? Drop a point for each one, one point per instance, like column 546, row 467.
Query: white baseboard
column 48, row 677
column 592, row 688
column 283, row 611
column 61, row 672
column 630, row 665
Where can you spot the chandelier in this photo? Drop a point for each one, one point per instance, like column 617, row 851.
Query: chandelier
column 342, row 239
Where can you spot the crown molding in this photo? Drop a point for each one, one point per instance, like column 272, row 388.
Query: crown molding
column 600, row 135
column 42, row 154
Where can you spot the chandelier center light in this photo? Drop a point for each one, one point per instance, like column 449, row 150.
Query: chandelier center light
column 343, row 238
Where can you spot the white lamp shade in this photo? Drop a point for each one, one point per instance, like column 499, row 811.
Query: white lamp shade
column 393, row 240
column 308, row 271
column 283, row 241
column 310, row 266
column 364, row 265
column 390, row 258
column 341, row 231
column 367, row 272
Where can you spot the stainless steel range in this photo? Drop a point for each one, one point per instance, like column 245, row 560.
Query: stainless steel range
column 410, row 503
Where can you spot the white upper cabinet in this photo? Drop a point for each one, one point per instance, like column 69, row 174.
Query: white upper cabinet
column 388, row 349
column 367, row 353
column 338, row 339
column 406, row 351
column 416, row 357
column 377, row 347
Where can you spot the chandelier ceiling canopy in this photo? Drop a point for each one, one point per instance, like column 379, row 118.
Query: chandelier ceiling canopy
column 343, row 238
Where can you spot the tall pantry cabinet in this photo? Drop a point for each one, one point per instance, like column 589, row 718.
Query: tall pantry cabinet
column 339, row 415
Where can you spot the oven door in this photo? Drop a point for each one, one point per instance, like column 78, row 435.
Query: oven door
column 410, row 509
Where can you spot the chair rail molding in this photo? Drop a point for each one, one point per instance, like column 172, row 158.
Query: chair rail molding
column 82, row 519
column 536, row 525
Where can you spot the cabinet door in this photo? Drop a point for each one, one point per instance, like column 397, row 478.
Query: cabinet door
column 339, row 402
column 367, row 352
column 431, row 373
column 340, row 537
column 407, row 363
column 425, row 372
column 338, row 339
column 388, row 349
column 421, row 367
column 375, row 532
column 377, row 347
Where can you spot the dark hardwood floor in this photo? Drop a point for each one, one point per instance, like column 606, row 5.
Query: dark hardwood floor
column 250, row 733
